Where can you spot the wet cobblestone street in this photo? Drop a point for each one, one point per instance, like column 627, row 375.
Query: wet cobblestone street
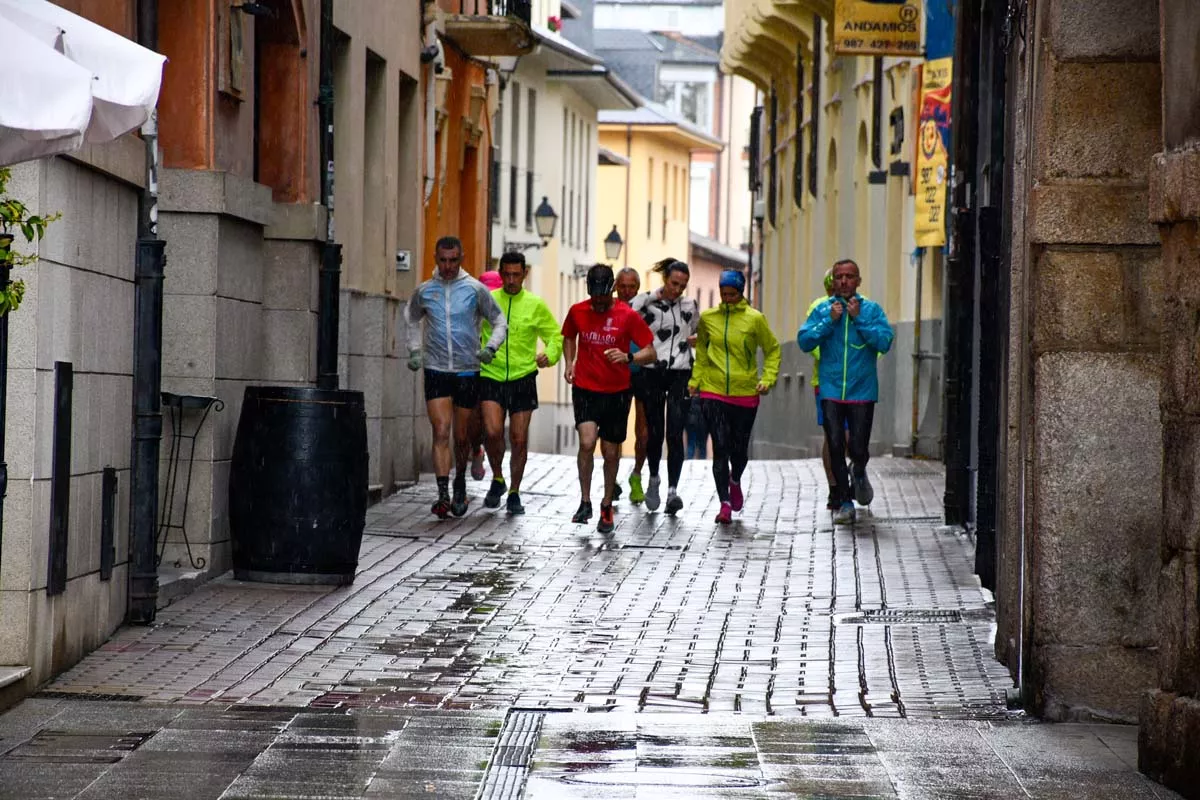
column 436, row 672
column 776, row 614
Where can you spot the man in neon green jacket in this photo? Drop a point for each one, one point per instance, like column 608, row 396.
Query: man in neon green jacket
column 830, row 503
column 509, row 382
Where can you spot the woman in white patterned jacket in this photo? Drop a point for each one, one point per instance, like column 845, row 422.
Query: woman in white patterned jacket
column 672, row 317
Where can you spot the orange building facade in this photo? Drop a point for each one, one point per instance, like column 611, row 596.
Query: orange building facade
column 457, row 202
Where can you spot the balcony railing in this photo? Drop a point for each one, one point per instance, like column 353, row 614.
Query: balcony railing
column 485, row 28
column 521, row 9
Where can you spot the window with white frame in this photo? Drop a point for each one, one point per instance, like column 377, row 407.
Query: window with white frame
column 688, row 91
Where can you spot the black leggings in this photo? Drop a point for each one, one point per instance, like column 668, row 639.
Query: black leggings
column 730, row 427
column 666, row 396
column 858, row 417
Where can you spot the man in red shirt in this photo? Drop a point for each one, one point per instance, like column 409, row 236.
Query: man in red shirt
column 596, row 338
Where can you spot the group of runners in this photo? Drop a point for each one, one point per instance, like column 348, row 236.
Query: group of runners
column 479, row 349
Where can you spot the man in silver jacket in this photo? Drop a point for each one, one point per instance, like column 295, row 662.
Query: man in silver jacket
column 453, row 306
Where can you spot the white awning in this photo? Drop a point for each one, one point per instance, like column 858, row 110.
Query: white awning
column 68, row 81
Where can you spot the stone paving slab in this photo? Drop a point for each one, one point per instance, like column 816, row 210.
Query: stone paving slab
column 771, row 615
column 638, row 757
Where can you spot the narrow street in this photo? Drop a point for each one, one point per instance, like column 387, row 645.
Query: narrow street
column 496, row 657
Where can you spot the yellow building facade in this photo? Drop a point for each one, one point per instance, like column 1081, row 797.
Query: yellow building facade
column 643, row 190
column 833, row 151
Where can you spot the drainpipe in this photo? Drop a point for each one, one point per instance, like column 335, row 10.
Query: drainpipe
column 328, row 287
column 5, row 274
column 147, row 366
column 1024, row 369
column 916, row 359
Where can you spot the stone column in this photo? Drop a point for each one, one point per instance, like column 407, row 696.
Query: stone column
column 1169, row 738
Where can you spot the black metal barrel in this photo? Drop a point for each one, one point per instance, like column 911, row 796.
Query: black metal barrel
column 298, row 485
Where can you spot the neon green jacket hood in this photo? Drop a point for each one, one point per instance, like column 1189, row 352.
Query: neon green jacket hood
column 727, row 345
column 529, row 319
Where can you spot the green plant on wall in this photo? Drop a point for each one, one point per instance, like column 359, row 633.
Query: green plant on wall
column 16, row 219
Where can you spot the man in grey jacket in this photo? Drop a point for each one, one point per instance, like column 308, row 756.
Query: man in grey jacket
column 453, row 306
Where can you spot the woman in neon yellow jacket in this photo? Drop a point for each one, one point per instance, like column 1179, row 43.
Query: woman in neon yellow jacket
column 727, row 379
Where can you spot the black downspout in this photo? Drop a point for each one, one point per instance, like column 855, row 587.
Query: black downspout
column 5, row 276
column 960, row 270
column 147, row 366
column 331, row 253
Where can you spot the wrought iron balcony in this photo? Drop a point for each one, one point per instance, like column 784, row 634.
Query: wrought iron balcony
column 491, row 27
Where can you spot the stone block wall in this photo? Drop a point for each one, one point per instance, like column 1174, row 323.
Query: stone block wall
column 1087, row 263
column 78, row 308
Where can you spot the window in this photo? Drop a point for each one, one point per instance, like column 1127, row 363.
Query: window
column 562, row 202
column 587, row 189
column 688, row 91
column 798, row 155
column 650, row 200
column 772, row 156
column 814, row 108
column 514, row 155
column 530, row 157
column 666, row 197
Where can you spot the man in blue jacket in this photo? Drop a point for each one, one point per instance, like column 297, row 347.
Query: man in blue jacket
column 852, row 333
column 452, row 307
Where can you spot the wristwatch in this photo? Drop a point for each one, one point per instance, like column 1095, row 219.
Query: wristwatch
column 629, row 358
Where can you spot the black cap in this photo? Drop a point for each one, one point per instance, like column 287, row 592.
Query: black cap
column 600, row 280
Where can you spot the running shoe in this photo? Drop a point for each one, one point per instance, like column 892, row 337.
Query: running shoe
column 725, row 515
column 617, row 490
column 674, row 503
column 736, row 498
column 845, row 514
column 863, row 493
column 636, row 495
column 606, row 524
column 584, row 513
column 831, row 503
column 514, row 504
column 458, row 506
column 441, row 506
column 477, row 471
column 495, row 492
column 652, row 498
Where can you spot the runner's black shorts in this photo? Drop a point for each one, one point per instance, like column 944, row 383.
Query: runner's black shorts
column 463, row 389
column 513, row 396
column 610, row 412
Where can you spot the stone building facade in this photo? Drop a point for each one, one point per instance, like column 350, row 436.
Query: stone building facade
column 243, row 221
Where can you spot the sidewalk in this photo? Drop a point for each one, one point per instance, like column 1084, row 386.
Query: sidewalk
column 464, row 636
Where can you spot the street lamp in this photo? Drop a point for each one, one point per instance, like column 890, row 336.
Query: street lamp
column 544, row 220
column 613, row 244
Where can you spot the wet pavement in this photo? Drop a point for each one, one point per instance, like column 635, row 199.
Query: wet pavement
column 495, row 657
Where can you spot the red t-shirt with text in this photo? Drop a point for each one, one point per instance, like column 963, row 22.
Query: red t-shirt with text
column 597, row 332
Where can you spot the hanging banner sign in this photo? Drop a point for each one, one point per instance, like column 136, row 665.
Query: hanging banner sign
column 877, row 27
column 933, row 148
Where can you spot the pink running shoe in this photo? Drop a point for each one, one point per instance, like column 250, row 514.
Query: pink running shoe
column 736, row 499
column 725, row 515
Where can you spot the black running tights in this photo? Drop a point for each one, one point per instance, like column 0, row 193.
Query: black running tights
column 667, row 398
column 730, row 427
column 857, row 418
